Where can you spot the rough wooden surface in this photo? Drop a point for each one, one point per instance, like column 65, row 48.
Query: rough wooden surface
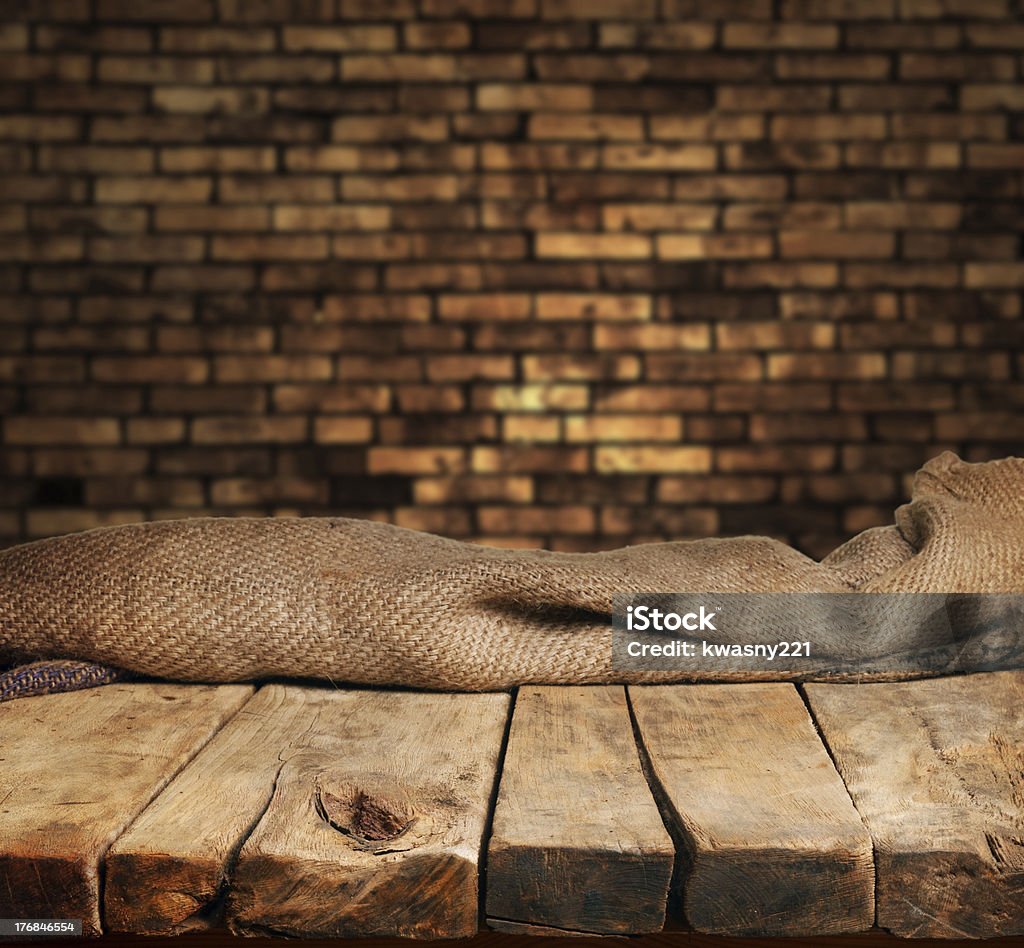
column 771, row 844
column 75, row 770
column 167, row 872
column 578, row 843
column 376, row 826
column 936, row 769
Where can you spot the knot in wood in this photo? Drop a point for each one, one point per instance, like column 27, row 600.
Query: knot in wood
column 363, row 814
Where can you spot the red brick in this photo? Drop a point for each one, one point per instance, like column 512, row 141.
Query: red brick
column 829, row 127
column 27, row 67
column 39, row 127
column 453, row 34
column 191, row 279
column 717, row 246
column 701, row 366
column 589, row 127
column 1006, row 155
column 158, row 190
column 659, row 216
column 895, row 155
column 232, row 100
column 789, row 457
column 96, row 158
column 269, row 247
column 877, row 96
column 407, row 187
column 623, row 428
column 245, row 429
column 987, row 275
column 713, row 127
column 824, row 245
column 215, row 338
column 780, row 275
column 537, row 398
column 341, row 158
column 293, row 188
column 342, row 429
column 227, row 158
column 207, row 399
column 158, row 11
column 232, row 491
column 273, row 368
column 918, row 215
column 337, row 397
column 757, row 336
column 517, row 459
column 154, row 69
column 415, row 460
column 599, row 9
column 368, row 308
column 839, row 9
column 530, row 428
column 344, row 217
column 606, row 246
column 40, row 248
column 349, row 38
column 756, row 35
column 907, row 275
column 185, row 217
column 145, row 249
column 1009, row 96
column 949, row 127
column 552, row 97
column 593, row 306
column 955, row 66
column 245, row 69
column 215, row 39
column 150, row 369
column 655, row 460
column 717, row 490
column 833, row 66
column 53, row 430
column 839, row 365
column 485, row 307
column 570, row 368
column 44, row 523
column 659, row 157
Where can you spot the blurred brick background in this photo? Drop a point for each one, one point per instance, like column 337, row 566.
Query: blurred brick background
column 564, row 272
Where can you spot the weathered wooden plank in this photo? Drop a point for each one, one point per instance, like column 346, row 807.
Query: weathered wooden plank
column 936, row 769
column 578, row 843
column 167, row 872
column 375, row 826
column 75, row 770
column 770, row 843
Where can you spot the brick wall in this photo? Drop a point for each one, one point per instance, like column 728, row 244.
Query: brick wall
column 572, row 272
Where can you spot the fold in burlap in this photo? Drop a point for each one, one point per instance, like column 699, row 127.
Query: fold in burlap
column 363, row 602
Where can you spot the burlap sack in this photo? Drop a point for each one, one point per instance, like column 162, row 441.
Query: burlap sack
column 369, row 603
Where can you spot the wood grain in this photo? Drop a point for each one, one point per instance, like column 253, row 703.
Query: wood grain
column 770, row 841
column 936, row 769
column 375, row 826
column 167, row 872
column 75, row 770
column 578, row 843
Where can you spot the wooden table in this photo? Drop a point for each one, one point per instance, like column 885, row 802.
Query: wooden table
column 747, row 809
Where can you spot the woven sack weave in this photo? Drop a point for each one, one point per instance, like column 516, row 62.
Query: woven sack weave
column 363, row 602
